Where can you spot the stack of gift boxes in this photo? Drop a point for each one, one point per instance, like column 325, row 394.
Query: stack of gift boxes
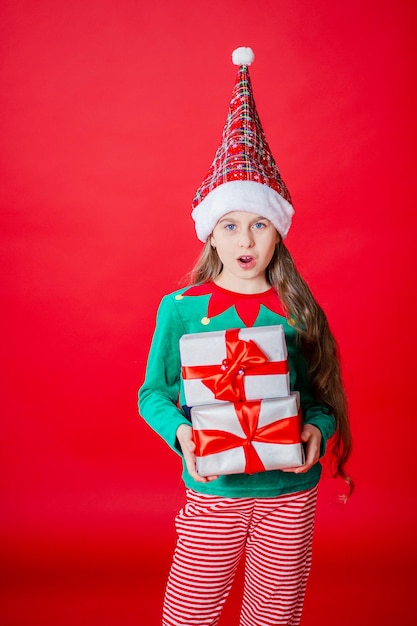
column 244, row 417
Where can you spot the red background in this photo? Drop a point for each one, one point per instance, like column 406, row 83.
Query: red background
column 111, row 112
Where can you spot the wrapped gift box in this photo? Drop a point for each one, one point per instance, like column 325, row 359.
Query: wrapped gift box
column 235, row 365
column 248, row 437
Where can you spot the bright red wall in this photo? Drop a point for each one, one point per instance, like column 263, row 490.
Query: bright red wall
column 111, row 112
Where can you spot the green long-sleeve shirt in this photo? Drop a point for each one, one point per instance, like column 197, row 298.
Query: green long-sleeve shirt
column 205, row 308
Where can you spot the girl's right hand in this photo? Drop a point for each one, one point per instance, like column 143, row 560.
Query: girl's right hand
column 185, row 438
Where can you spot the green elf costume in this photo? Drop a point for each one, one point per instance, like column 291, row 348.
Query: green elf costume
column 208, row 307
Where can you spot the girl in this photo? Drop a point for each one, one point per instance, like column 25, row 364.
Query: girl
column 245, row 277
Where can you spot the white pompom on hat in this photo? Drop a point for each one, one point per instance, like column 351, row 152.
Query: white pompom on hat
column 243, row 175
column 243, row 56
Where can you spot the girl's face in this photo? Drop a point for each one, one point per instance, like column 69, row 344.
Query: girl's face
column 245, row 243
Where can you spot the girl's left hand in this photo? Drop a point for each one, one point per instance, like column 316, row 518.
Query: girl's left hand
column 311, row 436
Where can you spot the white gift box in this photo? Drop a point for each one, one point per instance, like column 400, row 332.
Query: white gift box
column 248, row 437
column 235, row 365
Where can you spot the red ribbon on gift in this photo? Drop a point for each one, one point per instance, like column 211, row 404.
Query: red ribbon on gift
column 225, row 380
column 282, row 431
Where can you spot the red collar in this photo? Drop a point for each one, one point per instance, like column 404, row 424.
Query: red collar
column 247, row 305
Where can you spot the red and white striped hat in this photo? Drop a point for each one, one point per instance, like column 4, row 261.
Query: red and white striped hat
column 243, row 175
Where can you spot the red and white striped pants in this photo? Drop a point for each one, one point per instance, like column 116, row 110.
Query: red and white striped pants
column 213, row 532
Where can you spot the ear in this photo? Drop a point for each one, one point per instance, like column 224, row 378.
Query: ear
column 278, row 238
column 212, row 242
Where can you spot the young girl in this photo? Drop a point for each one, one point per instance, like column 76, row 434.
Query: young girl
column 245, row 277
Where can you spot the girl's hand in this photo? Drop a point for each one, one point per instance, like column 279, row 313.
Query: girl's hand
column 184, row 436
column 311, row 436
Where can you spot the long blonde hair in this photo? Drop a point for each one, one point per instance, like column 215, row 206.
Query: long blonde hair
column 315, row 339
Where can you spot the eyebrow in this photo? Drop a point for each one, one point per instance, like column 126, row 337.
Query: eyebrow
column 230, row 219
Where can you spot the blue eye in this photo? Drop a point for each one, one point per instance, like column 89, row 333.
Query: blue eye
column 259, row 225
column 230, row 227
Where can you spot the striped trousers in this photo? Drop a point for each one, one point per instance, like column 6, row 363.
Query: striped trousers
column 213, row 533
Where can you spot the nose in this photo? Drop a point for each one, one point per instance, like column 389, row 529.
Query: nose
column 246, row 239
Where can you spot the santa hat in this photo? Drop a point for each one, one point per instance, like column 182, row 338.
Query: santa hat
column 243, row 175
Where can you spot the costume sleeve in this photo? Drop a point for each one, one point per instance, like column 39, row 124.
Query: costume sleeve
column 313, row 411
column 158, row 396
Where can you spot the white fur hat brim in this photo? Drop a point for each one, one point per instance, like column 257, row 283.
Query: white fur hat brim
column 242, row 195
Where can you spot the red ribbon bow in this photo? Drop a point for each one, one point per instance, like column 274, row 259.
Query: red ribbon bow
column 282, row 431
column 225, row 380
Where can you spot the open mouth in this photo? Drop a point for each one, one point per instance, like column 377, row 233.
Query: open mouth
column 246, row 261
